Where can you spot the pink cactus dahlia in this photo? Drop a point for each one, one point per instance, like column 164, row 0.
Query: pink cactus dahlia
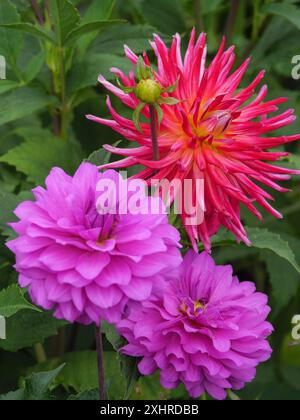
column 216, row 133
column 205, row 329
column 83, row 263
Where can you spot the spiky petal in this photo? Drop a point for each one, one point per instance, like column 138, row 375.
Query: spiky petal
column 215, row 133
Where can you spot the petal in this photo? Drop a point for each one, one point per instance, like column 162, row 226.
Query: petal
column 91, row 264
column 104, row 297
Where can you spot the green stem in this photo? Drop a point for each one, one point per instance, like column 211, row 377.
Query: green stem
column 235, row 4
column 100, row 360
column 64, row 120
column 203, row 397
column 199, row 17
column 37, row 11
column 40, row 353
column 153, row 119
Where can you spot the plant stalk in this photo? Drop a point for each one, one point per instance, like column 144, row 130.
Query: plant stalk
column 199, row 17
column 235, row 4
column 100, row 360
column 40, row 353
column 37, row 11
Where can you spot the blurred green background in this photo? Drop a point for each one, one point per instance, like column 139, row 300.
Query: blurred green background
column 51, row 84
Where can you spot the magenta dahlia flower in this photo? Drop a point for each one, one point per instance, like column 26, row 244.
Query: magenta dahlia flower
column 205, row 329
column 82, row 262
column 215, row 133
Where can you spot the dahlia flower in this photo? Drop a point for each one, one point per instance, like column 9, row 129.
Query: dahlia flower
column 82, row 262
column 204, row 329
column 214, row 133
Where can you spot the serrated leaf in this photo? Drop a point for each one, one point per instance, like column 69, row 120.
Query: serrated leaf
column 11, row 42
column 101, row 157
column 12, row 301
column 113, row 39
column 289, row 11
column 34, row 66
column 81, row 372
column 35, row 157
column 264, row 239
column 88, row 28
column 92, row 395
column 27, row 328
column 85, row 73
column 35, row 387
column 98, row 10
column 284, row 279
column 65, row 18
column 14, row 109
column 8, row 203
column 131, row 374
column 166, row 15
column 129, row 365
column 112, row 336
column 8, row 85
column 30, row 29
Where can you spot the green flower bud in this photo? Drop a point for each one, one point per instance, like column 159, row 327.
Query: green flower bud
column 148, row 91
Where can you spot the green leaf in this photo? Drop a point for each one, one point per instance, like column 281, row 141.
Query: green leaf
column 92, row 395
column 8, row 85
column 14, row 109
column 97, row 158
column 112, row 336
column 101, row 157
column 27, row 328
column 13, row 396
column 166, row 15
column 11, row 42
column 87, row 28
column 129, row 365
column 98, row 10
column 35, row 387
column 261, row 239
column 85, row 73
column 211, row 6
column 40, row 152
column 284, row 279
column 65, row 18
column 264, row 239
column 30, row 29
column 113, row 39
column 12, row 301
column 289, row 11
column 81, row 372
column 8, row 203
column 34, row 66
column 131, row 374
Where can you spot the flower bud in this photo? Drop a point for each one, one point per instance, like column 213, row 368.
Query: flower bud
column 148, row 91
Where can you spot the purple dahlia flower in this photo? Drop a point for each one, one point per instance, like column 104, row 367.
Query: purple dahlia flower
column 206, row 330
column 83, row 263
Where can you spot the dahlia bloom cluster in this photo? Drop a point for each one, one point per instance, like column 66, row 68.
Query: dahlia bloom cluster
column 91, row 260
column 214, row 132
column 84, row 264
column 204, row 329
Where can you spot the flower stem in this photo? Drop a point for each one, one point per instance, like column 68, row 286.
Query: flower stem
column 100, row 359
column 199, row 17
column 38, row 12
column 235, row 5
column 153, row 119
column 40, row 353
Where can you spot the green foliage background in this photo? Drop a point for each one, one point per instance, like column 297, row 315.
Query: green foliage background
column 51, row 85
